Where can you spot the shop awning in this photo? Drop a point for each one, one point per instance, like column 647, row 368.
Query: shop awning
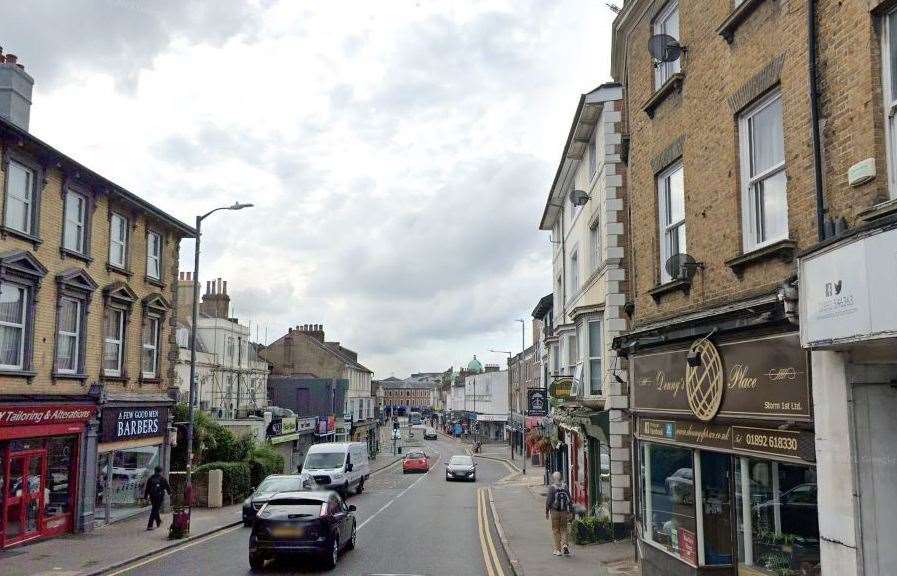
column 284, row 438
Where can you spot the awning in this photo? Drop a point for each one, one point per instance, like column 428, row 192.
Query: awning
column 284, row 438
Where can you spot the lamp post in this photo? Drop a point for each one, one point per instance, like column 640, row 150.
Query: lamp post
column 525, row 388
column 192, row 394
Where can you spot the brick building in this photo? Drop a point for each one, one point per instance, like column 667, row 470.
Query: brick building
column 724, row 165
column 87, row 348
column 414, row 392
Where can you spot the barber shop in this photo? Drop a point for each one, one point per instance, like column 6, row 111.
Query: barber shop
column 725, row 453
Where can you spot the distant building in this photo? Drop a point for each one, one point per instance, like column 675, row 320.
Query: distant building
column 414, row 392
column 486, row 402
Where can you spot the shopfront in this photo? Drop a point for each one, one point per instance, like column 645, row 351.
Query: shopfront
column 726, row 458
column 40, row 449
column 133, row 441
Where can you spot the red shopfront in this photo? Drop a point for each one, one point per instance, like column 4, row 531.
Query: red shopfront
column 39, row 463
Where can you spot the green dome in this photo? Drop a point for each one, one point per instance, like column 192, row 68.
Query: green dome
column 475, row 365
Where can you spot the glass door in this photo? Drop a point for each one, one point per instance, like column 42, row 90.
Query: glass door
column 24, row 496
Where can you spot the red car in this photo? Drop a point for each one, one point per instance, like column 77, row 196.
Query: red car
column 415, row 461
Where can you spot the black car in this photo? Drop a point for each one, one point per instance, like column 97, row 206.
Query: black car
column 302, row 523
column 269, row 487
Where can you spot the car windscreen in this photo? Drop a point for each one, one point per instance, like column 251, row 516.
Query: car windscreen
column 461, row 461
column 322, row 460
column 289, row 484
column 295, row 506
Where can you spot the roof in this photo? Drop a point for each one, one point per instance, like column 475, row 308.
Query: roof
column 407, row 384
column 68, row 164
column 332, row 348
column 584, row 120
column 545, row 304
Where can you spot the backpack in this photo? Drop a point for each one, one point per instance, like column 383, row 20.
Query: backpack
column 562, row 501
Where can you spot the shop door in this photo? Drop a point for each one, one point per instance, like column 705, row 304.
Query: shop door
column 876, row 431
column 25, row 496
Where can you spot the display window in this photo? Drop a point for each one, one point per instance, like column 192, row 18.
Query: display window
column 121, row 479
column 668, row 499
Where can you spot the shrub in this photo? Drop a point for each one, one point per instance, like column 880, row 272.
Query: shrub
column 591, row 529
column 263, row 461
column 236, row 481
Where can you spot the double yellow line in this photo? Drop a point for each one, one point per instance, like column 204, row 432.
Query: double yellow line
column 490, row 556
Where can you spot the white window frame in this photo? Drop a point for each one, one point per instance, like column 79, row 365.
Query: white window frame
column 73, row 221
column 593, row 153
column 76, row 334
column 572, row 352
column 29, row 201
column 667, row 227
column 119, row 342
column 113, row 241
column 664, row 70
column 750, row 222
column 152, row 346
column 23, row 325
column 153, row 258
column 890, row 103
column 595, row 244
column 590, row 358
column 574, row 273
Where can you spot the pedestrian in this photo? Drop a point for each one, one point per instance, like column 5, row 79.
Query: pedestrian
column 156, row 487
column 559, row 508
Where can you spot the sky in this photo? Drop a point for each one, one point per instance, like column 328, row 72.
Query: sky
column 398, row 153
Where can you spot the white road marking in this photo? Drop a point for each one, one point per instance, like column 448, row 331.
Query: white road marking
column 399, row 495
column 200, row 540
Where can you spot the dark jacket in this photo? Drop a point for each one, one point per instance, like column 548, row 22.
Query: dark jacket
column 549, row 499
column 156, row 487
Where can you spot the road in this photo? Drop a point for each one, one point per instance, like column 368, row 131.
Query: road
column 415, row 524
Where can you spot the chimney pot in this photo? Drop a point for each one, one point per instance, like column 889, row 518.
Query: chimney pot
column 208, row 287
column 224, row 290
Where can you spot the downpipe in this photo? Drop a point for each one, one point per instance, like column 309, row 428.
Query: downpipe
column 814, row 119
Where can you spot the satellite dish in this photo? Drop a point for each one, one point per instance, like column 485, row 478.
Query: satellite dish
column 665, row 48
column 578, row 197
column 682, row 266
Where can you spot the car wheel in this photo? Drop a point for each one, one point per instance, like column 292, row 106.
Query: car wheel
column 256, row 562
column 360, row 488
column 333, row 556
column 351, row 544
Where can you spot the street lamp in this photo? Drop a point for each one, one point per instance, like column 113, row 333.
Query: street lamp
column 522, row 359
column 192, row 395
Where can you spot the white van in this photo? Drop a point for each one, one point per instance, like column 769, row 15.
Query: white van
column 339, row 466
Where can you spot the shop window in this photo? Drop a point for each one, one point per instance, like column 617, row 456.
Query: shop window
column 716, row 507
column 668, row 499
column 778, row 529
column 120, row 485
column 60, row 455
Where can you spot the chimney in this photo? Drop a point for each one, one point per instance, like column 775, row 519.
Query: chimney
column 215, row 302
column 15, row 91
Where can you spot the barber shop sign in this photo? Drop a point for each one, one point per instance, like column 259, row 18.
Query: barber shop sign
column 130, row 423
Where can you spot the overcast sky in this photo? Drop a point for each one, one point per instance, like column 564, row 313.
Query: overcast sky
column 398, row 153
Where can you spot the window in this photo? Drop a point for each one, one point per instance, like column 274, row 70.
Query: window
column 764, row 199
column 68, row 343
column 595, row 349
column 671, row 203
column 13, row 307
column 593, row 154
column 230, row 348
column 150, row 347
column 75, row 230
column 595, row 244
column 154, row 255
column 118, row 241
column 889, row 88
column 555, row 359
column 668, row 498
column 114, row 343
column 666, row 22
column 20, row 198
column 574, row 274
column 572, row 354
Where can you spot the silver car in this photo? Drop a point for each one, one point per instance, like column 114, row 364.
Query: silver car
column 461, row 467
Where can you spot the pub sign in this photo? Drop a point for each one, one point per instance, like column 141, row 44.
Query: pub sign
column 536, row 402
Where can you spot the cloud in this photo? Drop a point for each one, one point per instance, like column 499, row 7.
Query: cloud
column 398, row 153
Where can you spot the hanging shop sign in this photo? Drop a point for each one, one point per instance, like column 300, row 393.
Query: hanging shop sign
column 536, row 402
column 131, row 423
column 306, row 424
column 793, row 444
column 761, row 378
column 288, row 425
column 561, row 388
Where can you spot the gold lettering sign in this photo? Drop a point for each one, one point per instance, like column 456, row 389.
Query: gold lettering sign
column 561, row 388
column 704, row 382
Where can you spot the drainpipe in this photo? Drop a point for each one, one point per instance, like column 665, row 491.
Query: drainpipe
column 814, row 119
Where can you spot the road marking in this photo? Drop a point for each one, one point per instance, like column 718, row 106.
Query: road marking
column 480, row 526
column 399, row 495
column 499, row 571
column 201, row 540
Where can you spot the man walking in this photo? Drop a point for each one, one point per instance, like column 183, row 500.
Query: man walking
column 559, row 507
column 156, row 487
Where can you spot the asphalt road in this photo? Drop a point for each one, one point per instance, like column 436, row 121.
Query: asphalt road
column 415, row 524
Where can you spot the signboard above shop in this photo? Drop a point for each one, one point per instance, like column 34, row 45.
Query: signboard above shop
column 847, row 292
column 759, row 378
column 131, row 423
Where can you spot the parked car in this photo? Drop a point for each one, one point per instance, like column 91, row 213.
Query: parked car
column 461, row 467
column 271, row 486
column 430, row 434
column 415, row 461
column 302, row 523
column 338, row 466
column 680, row 485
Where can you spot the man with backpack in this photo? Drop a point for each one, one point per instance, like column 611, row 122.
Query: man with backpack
column 559, row 507
column 156, row 487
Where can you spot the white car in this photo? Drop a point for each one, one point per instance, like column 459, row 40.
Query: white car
column 339, row 466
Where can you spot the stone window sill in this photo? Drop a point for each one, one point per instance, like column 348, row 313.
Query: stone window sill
column 730, row 25
column 66, row 253
column 879, row 211
column 673, row 84
column 670, row 287
column 154, row 281
column 117, row 270
column 69, row 376
column 150, row 380
column 783, row 250
column 123, row 378
column 18, row 373
column 21, row 235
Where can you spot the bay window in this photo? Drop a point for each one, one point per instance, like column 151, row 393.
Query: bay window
column 113, row 349
column 671, row 213
column 13, row 314
column 595, row 353
column 764, row 197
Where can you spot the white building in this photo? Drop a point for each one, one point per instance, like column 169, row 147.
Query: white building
column 486, row 397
